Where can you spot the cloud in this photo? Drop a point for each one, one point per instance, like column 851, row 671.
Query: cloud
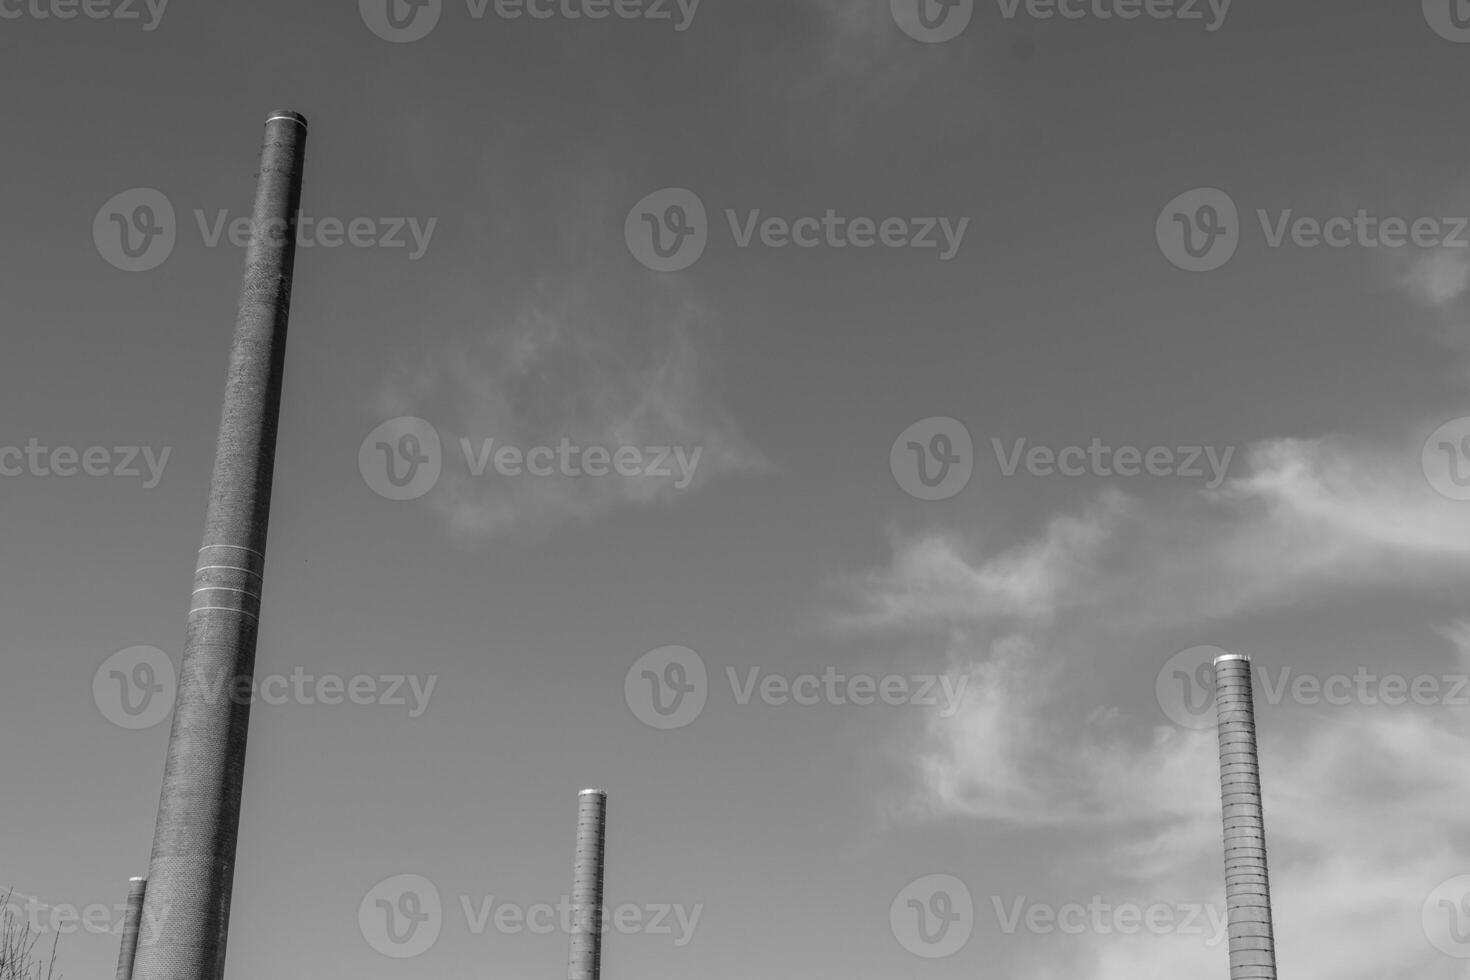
column 594, row 360
column 1305, row 515
column 1439, row 277
column 1363, row 803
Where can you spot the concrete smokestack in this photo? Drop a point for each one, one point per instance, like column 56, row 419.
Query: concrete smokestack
column 187, row 906
column 131, row 918
column 586, row 959
column 1247, row 885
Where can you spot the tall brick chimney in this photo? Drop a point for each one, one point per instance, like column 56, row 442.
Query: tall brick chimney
column 190, row 873
column 131, row 919
column 586, row 940
column 1247, row 885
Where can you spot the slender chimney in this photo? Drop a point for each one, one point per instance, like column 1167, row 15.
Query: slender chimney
column 131, row 918
column 586, row 959
column 1247, row 885
column 187, row 904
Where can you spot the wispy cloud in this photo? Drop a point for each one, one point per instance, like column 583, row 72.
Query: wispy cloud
column 1363, row 804
column 597, row 360
column 1306, row 514
column 1438, row 277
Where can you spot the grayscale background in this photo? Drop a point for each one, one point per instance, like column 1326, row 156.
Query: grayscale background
column 1135, row 411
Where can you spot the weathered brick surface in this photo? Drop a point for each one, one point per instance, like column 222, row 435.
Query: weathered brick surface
column 187, row 904
column 137, row 887
column 586, row 940
column 1247, row 885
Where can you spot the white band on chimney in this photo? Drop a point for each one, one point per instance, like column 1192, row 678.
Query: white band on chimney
column 1233, row 656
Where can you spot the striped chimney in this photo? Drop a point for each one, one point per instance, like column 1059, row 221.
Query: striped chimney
column 586, row 957
column 1247, row 885
column 131, row 918
column 187, row 905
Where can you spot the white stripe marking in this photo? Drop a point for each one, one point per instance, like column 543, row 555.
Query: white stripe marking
column 233, row 568
column 232, row 609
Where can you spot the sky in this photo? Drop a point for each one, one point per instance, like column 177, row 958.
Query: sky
column 839, row 429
